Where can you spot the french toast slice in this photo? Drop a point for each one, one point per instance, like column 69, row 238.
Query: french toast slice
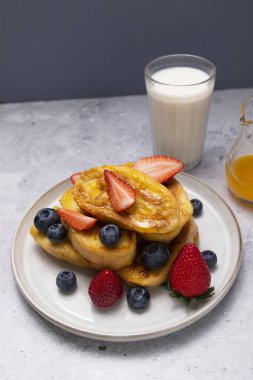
column 63, row 251
column 88, row 243
column 155, row 209
column 185, row 212
column 137, row 274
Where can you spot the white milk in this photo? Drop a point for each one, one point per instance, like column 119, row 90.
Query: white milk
column 179, row 112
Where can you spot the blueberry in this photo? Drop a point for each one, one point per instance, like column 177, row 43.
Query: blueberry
column 197, row 207
column 154, row 255
column 210, row 258
column 66, row 280
column 57, row 233
column 110, row 234
column 138, row 297
column 45, row 218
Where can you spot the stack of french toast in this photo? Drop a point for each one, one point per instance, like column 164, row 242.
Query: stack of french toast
column 155, row 208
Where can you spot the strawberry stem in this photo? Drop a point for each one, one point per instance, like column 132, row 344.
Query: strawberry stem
column 207, row 294
column 190, row 300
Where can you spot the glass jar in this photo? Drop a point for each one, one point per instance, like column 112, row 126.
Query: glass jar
column 239, row 163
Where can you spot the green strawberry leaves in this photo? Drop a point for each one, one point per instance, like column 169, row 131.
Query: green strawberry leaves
column 187, row 300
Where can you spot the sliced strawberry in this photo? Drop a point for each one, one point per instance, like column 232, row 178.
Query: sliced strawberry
column 160, row 168
column 75, row 219
column 121, row 195
column 75, row 177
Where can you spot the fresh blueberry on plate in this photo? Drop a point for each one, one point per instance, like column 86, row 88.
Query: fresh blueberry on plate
column 138, row 297
column 57, row 233
column 66, row 280
column 210, row 258
column 154, row 255
column 197, row 207
column 45, row 218
column 110, row 234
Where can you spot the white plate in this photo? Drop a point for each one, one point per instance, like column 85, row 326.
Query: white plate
column 35, row 272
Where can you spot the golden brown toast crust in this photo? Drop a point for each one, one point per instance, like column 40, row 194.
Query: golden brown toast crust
column 155, row 209
column 134, row 273
column 160, row 213
column 185, row 211
column 88, row 243
column 137, row 274
column 63, row 251
column 67, row 200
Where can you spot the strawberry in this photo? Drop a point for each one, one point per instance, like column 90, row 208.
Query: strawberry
column 105, row 288
column 121, row 195
column 75, row 219
column 75, row 177
column 160, row 168
column 189, row 276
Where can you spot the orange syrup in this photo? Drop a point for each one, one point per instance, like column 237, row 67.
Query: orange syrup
column 240, row 177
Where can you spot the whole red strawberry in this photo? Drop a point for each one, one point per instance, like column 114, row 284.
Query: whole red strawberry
column 105, row 288
column 189, row 275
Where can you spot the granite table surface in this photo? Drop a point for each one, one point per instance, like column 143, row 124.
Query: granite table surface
column 41, row 144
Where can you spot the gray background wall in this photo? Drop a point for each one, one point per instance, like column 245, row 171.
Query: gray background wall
column 54, row 49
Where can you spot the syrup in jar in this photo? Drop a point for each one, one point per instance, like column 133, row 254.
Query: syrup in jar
column 240, row 177
column 239, row 164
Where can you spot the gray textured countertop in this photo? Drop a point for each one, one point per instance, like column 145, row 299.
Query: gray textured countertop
column 41, row 144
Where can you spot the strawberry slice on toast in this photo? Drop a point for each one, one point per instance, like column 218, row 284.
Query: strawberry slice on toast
column 160, row 168
column 75, row 177
column 76, row 220
column 121, row 194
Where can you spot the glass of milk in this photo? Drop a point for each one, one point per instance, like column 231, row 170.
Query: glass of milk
column 179, row 91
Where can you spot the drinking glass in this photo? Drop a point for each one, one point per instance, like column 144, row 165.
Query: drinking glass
column 179, row 102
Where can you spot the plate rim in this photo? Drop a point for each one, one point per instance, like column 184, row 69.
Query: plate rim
column 131, row 337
